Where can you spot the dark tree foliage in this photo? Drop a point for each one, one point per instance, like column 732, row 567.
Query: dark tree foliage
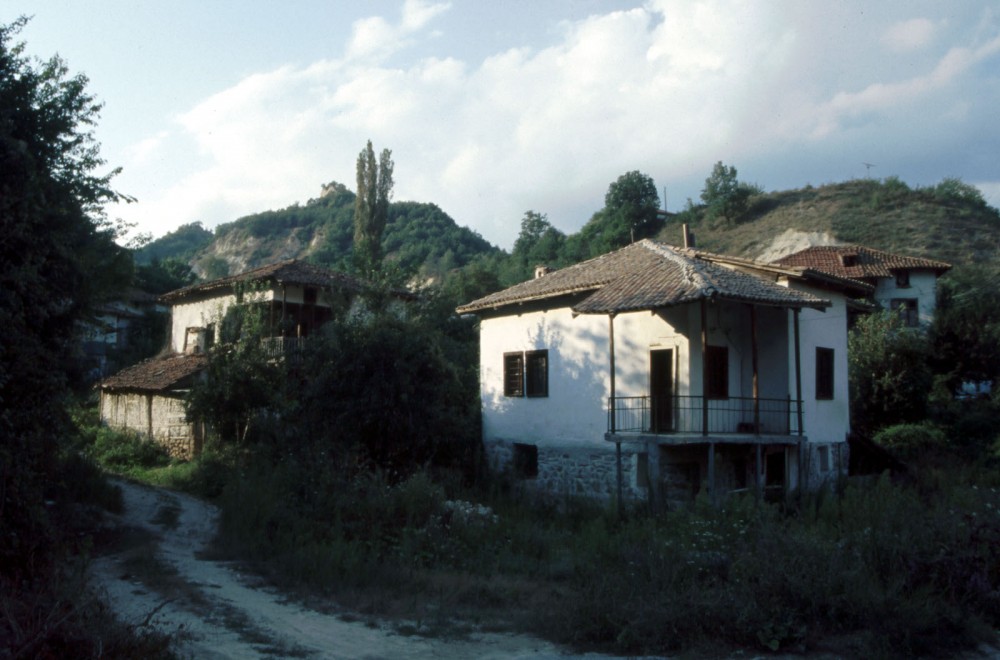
column 159, row 277
column 182, row 243
column 371, row 208
column 382, row 394
column 634, row 204
column 966, row 329
column 538, row 243
column 57, row 256
column 889, row 372
column 724, row 195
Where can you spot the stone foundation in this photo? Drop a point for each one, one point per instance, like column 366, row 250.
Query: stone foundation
column 159, row 417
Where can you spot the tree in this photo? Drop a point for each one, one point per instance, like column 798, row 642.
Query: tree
column 371, row 208
column 57, row 256
column 724, row 195
column 537, row 243
column 633, row 204
column 966, row 328
column 888, row 371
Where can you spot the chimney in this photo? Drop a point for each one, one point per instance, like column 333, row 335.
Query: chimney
column 541, row 270
column 688, row 236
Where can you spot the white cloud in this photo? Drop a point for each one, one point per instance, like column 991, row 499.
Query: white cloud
column 668, row 89
column 910, row 35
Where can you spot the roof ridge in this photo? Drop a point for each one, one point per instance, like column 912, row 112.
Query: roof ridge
column 690, row 270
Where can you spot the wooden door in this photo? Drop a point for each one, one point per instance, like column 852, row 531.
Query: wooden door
column 661, row 390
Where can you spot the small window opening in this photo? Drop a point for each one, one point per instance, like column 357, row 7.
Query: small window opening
column 525, row 460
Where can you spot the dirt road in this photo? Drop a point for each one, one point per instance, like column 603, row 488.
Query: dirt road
column 211, row 610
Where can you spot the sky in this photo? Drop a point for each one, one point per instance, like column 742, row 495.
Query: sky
column 216, row 110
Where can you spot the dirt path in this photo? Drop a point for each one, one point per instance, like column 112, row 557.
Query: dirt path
column 211, row 610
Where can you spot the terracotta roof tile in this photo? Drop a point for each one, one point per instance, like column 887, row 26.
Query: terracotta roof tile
column 858, row 262
column 646, row 275
column 156, row 374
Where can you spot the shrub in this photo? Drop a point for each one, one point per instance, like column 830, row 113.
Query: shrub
column 912, row 440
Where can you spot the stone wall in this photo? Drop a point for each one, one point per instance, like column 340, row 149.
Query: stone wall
column 157, row 416
column 573, row 471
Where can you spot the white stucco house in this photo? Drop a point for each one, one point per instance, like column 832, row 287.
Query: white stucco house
column 298, row 298
column 110, row 329
column 657, row 372
column 899, row 282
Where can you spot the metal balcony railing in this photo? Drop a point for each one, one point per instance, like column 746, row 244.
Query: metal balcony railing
column 696, row 414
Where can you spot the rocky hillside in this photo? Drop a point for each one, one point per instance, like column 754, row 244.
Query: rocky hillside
column 949, row 221
column 419, row 237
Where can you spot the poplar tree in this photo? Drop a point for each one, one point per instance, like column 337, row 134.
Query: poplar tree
column 371, row 208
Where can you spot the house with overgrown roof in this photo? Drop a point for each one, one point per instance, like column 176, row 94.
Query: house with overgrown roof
column 899, row 282
column 657, row 372
column 297, row 299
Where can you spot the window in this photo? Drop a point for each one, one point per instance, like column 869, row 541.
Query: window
column 309, row 296
column 849, row 260
column 525, row 460
column 902, row 279
column 526, row 374
column 717, row 372
column 824, row 373
column 513, row 374
column 907, row 308
column 537, row 377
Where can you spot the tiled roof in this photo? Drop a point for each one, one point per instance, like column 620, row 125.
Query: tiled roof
column 867, row 262
column 291, row 271
column 646, row 275
column 156, row 374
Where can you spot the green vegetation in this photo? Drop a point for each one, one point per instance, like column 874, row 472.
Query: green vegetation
column 182, row 244
column 371, row 208
column 58, row 258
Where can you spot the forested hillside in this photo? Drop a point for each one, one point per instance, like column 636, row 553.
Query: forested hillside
column 420, row 238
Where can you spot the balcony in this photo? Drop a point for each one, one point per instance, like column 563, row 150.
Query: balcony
column 696, row 415
column 283, row 347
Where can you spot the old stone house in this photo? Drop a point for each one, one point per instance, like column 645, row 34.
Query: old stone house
column 658, row 372
column 298, row 298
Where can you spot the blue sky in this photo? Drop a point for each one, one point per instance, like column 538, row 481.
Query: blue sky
column 218, row 109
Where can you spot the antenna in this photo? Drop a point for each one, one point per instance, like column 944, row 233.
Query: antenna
column 868, row 169
column 664, row 198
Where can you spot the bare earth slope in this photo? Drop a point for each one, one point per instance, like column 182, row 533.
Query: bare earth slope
column 156, row 578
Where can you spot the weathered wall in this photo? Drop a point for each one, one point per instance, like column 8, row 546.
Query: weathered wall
column 923, row 287
column 158, row 417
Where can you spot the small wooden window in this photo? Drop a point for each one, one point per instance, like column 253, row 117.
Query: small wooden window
column 525, row 460
column 309, row 295
column 717, row 372
column 902, row 279
column 849, row 260
column 513, row 374
column 537, row 376
column 824, row 373
column 907, row 308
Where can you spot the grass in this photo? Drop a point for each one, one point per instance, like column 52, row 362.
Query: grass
column 883, row 568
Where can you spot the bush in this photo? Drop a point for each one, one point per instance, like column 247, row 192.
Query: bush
column 909, row 441
column 122, row 450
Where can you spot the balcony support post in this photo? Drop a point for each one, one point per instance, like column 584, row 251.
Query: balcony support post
column 618, row 444
column 798, row 369
column 753, row 359
column 704, row 367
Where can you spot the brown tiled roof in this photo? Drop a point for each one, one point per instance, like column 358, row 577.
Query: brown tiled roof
column 869, row 263
column 291, row 271
column 797, row 272
column 646, row 275
column 156, row 374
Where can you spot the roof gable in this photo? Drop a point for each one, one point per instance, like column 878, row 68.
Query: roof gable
column 646, row 275
column 157, row 374
column 859, row 262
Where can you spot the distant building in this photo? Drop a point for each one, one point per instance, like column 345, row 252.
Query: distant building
column 148, row 397
column 900, row 282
